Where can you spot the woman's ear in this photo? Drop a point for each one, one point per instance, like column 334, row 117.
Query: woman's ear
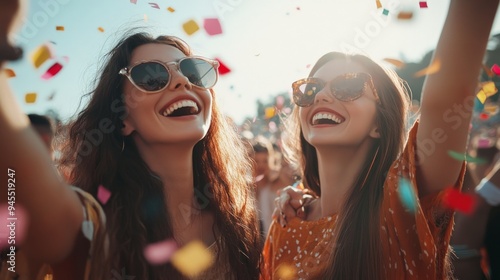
column 374, row 133
column 127, row 128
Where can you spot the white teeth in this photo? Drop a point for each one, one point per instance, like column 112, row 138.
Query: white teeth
column 180, row 104
column 327, row 116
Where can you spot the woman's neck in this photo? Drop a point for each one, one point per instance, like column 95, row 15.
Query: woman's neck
column 339, row 168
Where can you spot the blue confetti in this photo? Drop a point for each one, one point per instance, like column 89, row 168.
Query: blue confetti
column 407, row 195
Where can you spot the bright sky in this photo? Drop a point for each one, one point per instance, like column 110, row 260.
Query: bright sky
column 266, row 44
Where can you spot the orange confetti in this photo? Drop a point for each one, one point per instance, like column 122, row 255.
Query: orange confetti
column 40, row 55
column 431, row 69
column 30, row 97
column 488, row 71
column 405, row 15
column 395, row 62
column 100, row 29
column 286, row 272
column 60, row 28
column 379, row 5
column 192, row 259
column 270, row 112
column 170, row 9
column 190, row 27
column 10, row 73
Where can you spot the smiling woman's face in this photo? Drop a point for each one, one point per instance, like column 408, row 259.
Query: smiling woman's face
column 329, row 121
column 180, row 113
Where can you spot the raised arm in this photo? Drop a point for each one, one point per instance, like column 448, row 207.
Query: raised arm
column 54, row 211
column 448, row 95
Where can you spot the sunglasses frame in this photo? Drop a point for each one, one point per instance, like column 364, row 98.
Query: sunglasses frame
column 127, row 70
column 367, row 77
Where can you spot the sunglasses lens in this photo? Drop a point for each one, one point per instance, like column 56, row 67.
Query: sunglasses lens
column 199, row 72
column 305, row 92
column 150, row 76
column 348, row 88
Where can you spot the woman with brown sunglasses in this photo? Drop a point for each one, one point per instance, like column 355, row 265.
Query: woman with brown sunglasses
column 358, row 158
column 153, row 136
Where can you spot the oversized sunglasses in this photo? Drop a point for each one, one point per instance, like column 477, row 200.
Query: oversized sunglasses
column 346, row 87
column 153, row 76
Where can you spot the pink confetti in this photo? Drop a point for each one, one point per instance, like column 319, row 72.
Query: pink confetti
column 16, row 224
column 52, row 71
column 223, row 69
column 103, row 194
column 160, row 252
column 423, row 4
column 154, row 5
column 133, row 1
column 212, row 26
column 496, row 69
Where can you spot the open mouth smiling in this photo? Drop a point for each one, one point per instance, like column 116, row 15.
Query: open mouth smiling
column 180, row 108
column 326, row 118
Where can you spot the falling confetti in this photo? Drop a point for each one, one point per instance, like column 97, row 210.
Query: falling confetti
column 405, row 15
column 212, row 26
column 270, row 112
column 154, row 5
column 60, row 28
column 30, row 97
column 103, row 194
column 51, row 96
column 395, row 62
column 431, row 69
column 491, row 109
column 52, row 71
column 100, row 29
column 484, row 116
column 495, row 69
column 161, row 252
column 192, row 259
column 170, row 9
column 40, row 55
column 407, row 195
column 10, row 73
column 223, row 69
column 481, row 95
column 190, row 27
column 133, row 1
column 422, row 4
column 385, row 12
column 489, row 88
column 460, row 157
column 286, row 272
column 17, row 215
column 456, row 200
column 379, row 5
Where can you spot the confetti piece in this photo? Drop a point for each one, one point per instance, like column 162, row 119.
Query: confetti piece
column 495, row 69
column 286, row 272
column 395, row 62
column 298, row 8
column 170, row 9
column 51, row 96
column 100, row 29
column 456, row 200
column 485, row 143
column 484, row 116
column 190, row 27
column 10, row 73
column 489, row 88
column 60, row 28
column 431, row 69
column 407, row 195
column 491, row 109
column 212, row 26
column 30, row 97
column 40, row 55
column 103, row 194
column 146, row 18
column 385, row 12
column 52, row 71
column 154, row 5
column 405, row 15
column 270, row 112
column 460, row 157
column 192, row 259
column 133, row 1
column 223, row 69
column 160, row 252
column 379, row 5
column 21, row 224
column 481, row 95
column 422, row 4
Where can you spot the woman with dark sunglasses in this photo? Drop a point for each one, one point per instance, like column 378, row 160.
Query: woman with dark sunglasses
column 358, row 158
column 153, row 136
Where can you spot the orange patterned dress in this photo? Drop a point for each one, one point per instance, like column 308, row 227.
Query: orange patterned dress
column 415, row 245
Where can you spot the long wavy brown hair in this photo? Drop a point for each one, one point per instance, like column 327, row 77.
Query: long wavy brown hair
column 136, row 212
column 356, row 252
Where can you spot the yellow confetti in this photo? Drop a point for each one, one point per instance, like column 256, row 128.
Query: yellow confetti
column 395, row 62
column 491, row 109
column 286, row 272
column 489, row 88
column 379, row 5
column 10, row 73
column 100, row 29
column 431, row 69
column 192, row 259
column 40, row 55
column 30, row 97
column 190, row 27
column 170, row 9
column 481, row 95
column 270, row 112
column 60, row 28
column 405, row 15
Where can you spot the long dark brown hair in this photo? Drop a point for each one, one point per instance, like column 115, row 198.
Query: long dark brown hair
column 136, row 212
column 356, row 251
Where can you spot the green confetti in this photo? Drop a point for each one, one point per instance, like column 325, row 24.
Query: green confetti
column 470, row 159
